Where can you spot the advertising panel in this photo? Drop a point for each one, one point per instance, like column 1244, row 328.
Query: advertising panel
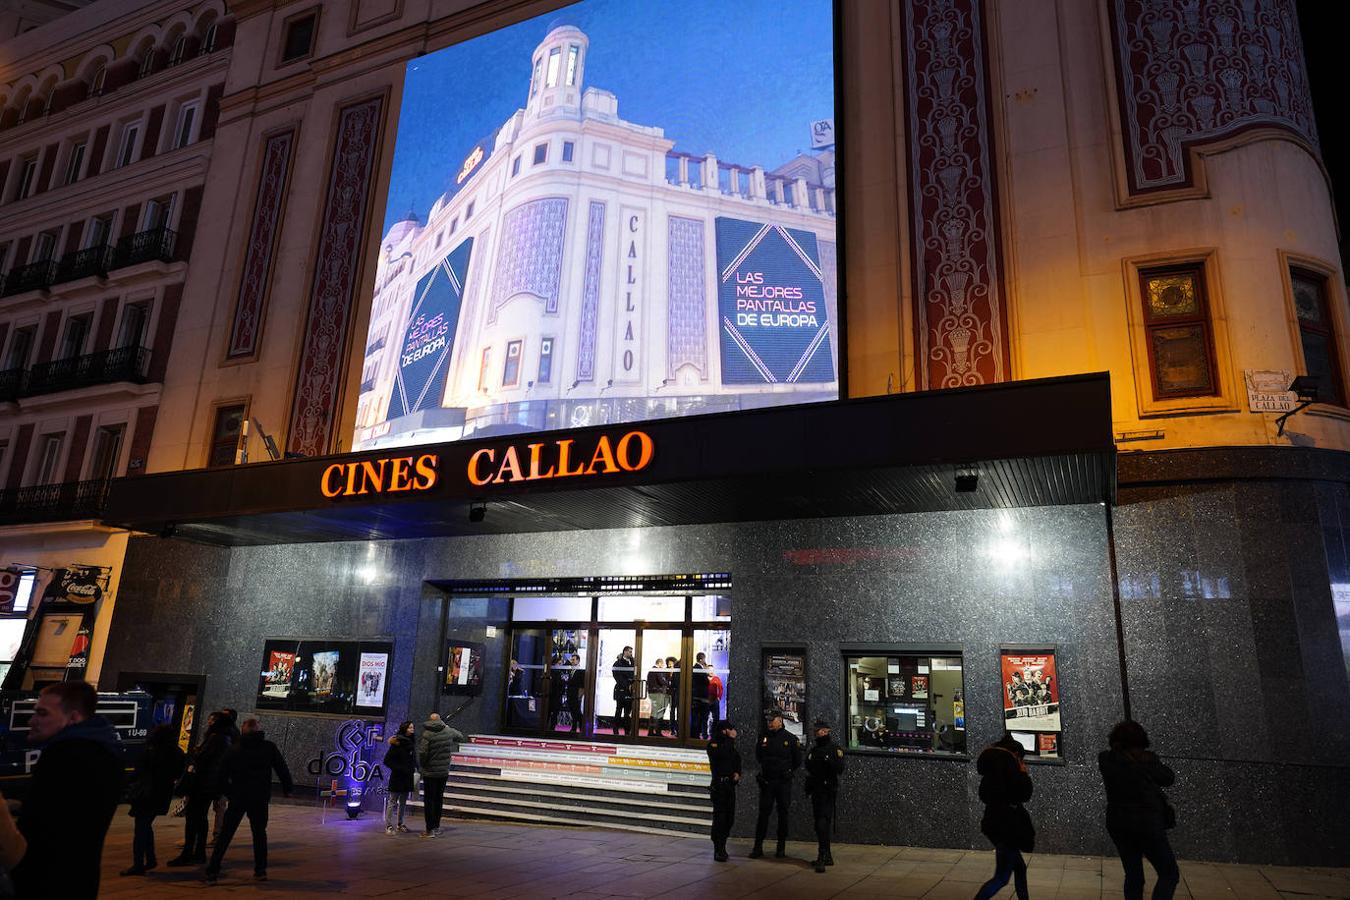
column 575, row 235
column 785, row 687
column 463, row 668
column 1030, row 692
column 370, row 680
column 326, row 677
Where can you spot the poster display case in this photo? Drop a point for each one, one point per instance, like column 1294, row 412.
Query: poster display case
column 325, row 676
column 784, row 682
column 1031, row 701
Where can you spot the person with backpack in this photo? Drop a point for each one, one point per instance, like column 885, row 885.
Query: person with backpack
column 1004, row 787
column 1137, row 812
column 151, row 791
column 401, row 762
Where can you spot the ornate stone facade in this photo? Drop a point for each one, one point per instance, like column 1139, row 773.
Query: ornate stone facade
column 262, row 239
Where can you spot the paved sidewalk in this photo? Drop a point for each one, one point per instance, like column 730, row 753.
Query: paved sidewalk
column 480, row 860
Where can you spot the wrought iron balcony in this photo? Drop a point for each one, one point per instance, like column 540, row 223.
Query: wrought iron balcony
column 32, row 277
column 145, row 246
column 105, row 367
column 53, row 502
column 83, row 264
column 11, row 384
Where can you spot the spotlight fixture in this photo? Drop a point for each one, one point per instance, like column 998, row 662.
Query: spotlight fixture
column 353, row 808
column 1305, row 388
column 477, row 512
column 967, row 480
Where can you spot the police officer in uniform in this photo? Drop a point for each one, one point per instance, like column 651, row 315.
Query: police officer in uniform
column 824, row 765
column 725, row 761
column 779, row 755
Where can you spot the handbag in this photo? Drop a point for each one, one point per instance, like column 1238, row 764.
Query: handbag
column 1024, row 833
column 178, row 806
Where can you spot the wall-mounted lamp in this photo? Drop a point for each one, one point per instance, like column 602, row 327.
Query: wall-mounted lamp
column 477, row 512
column 1305, row 388
column 967, row 479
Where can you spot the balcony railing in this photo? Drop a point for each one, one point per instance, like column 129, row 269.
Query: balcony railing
column 83, row 264
column 32, row 277
column 11, row 383
column 145, row 246
column 105, row 367
column 53, row 502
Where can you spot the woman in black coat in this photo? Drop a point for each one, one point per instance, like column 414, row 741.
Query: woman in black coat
column 201, row 786
column 1137, row 812
column 1003, row 789
column 151, row 790
column 401, row 762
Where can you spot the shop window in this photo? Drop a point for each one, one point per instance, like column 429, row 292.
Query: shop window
column 545, row 360
column 511, row 371
column 299, row 41
column 1317, row 333
column 905, row 702
column 569, row 149
column 75, row 164
column 540, row 154
column 225, row 435
column 1177, row 331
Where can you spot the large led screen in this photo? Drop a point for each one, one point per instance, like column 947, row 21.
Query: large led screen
column 625, row 211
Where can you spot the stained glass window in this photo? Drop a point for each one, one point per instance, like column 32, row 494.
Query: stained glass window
column 1176, row 319
column 1318, row 335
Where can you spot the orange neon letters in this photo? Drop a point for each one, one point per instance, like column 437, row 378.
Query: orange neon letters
column 560, row 459
column 388, row 475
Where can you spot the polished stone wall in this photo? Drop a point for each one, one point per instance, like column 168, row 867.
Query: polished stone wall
column 978, row 579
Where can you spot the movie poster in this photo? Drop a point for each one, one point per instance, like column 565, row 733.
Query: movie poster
column 464, row 668
column 1030, row 691
column 325, row 672
column 920, row 683
column 785, row 688
column 277, row 678
column 370, row 679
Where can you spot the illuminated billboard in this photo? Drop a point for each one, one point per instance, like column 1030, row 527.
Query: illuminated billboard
column 625, row 213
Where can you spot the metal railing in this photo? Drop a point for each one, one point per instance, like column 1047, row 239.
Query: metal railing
column 32, row 277
column 83, row 264
column 145, row 246
column 105, row 367
column 53, row 502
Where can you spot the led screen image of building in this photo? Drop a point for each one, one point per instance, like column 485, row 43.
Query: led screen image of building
column 577, row 268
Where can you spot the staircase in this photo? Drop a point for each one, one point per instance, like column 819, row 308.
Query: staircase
column 657, row 790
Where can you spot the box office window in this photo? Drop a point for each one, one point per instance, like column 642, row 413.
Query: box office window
column 905, row 703
column 1177, row 326
column 1317, row 333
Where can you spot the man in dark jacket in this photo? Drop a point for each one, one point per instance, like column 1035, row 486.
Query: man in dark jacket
column 724, row 760
column 699, row 707
column 1137, row 812
column 71, row 798
column 624, row 674
column 435, row 749
column 1004, row 787
column 779, row 755
column 576, row 691
column 246, row 775
column 824, row 765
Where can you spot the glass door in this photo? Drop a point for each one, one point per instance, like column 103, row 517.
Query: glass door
column 708, row 680
column 526, row 681
column 567, row 681
column 660, row 651
column 616, row 692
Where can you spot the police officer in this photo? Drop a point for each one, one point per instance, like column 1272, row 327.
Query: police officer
column 779, row 755
column 824, row 765
column 725, row 762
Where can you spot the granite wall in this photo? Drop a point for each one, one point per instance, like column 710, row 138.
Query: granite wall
column 1204, row 669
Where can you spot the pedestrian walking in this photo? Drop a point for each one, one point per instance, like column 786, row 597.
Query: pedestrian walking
column 435, row 749
column 576, row 692
column 624, row 675
column 1004, row 787
column 401, row 762
column 824, row 765
column 779, row 755
column 699, row 707
column 724, row 760
column 72, row 795
column 157, row 770
column 246, row 777
column 201, row 786
column 218, row 806
column 1137, row 812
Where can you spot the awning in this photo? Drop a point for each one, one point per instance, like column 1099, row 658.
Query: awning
column 1029, row 443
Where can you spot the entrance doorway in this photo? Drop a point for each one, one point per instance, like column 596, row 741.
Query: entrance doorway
column 176, row 699
column 631, row 668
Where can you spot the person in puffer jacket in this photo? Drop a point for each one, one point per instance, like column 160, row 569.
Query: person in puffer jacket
column 435, row 748
column 1004, row 787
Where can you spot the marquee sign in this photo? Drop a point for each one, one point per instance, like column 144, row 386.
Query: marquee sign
column 566, row 458
column 389, row 475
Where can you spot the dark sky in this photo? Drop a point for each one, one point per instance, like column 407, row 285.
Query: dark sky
column 1323, row 25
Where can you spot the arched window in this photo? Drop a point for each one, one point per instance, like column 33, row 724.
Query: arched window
column 179, row 49
column 209, row 41
column 147, row 62
column 47, row 100
column 97, row 82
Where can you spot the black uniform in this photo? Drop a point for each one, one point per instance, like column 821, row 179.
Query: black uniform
column 779, row 754
column 623, row 674
column 725, row 761
column 824, row 765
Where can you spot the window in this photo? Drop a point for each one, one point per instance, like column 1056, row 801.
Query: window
column 100, row 229
column 98, row 81
column 515, row 166
column 12, row 628
column 483, row 368
column 454, row 223
column 18, row 582
column 126, row 150
column 107, row 446
column 511, row 371
column 534, row 81
column 157, row 212
column 1177, row 332
column 299, row 37
column 75, row 165
column 44, row 246
column 568, row 148
column 21, row 347
column 147, row 63
column 132, row 332
column 27, row 178
column 573, row 52
column 49, row 459
column 77, row 332
column 179, row 48
column 904, row 702
column 554, row 57
column 47, row 101
column 540, row 153
column 468, row 211
column 225, row 435
column 209, row 42
column 4, row 256
column 545, row 360
column 1317, row 332
column 182, row 135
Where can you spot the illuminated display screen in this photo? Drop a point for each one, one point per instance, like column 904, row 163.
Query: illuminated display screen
column 607, row 215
